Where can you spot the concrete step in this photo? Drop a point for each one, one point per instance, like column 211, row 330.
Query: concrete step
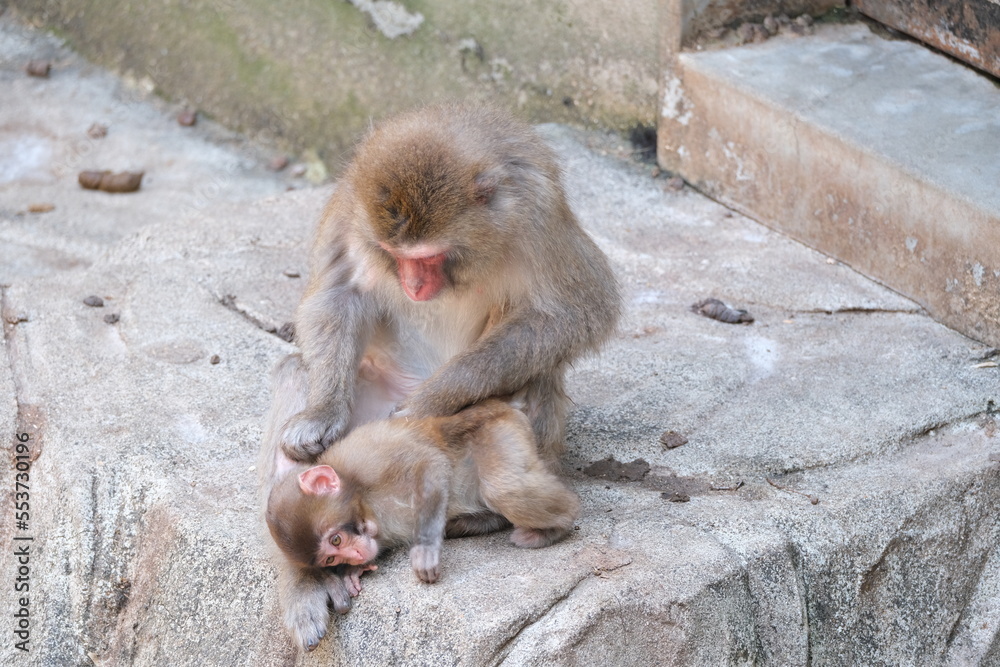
column 879, row 152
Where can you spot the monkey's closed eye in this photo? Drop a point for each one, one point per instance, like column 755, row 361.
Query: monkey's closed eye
column 398, row 221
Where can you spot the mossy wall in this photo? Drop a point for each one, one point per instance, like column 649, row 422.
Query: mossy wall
column 312, row 73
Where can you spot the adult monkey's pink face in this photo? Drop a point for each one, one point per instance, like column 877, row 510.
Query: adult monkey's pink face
column 421, row 270
column 432, row 214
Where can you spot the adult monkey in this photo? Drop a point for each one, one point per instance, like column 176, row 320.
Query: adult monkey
column 448, row 268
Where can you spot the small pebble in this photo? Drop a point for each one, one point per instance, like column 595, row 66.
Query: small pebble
column 94, row 301
column 112, row 318
column 97, row 131
column 286, row 332
column 278, row 163
column 39, row 68
column 214, row 359
column 802, row 25
column 41, row 208
column 187, row 118
column 291, row 273
column 672, row 439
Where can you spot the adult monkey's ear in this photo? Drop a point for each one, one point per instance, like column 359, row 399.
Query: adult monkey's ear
column 485, row 186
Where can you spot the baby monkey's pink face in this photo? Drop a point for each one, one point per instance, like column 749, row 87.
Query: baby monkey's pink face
column 351, row 545
column 349, row 540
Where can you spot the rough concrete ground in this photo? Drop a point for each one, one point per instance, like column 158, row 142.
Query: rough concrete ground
column 147, row 548
column 44, row 144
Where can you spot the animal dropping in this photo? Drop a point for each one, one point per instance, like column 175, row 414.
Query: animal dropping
column 717, row 310
column 126, row 181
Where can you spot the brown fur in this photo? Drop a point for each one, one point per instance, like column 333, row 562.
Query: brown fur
column 527, row 290
column 407, row 482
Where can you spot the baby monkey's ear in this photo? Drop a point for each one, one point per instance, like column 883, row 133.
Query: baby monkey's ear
column 319, row 481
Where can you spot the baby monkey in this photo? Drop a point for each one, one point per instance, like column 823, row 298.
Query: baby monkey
column 400, row 482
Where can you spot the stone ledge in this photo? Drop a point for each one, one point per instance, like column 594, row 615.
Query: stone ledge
column 148, row 543
column 877, row 152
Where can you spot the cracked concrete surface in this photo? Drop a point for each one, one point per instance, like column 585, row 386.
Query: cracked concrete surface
column 148, row 548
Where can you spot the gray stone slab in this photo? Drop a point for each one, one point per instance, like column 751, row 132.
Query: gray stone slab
column 892, row 98
column 149, row 548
